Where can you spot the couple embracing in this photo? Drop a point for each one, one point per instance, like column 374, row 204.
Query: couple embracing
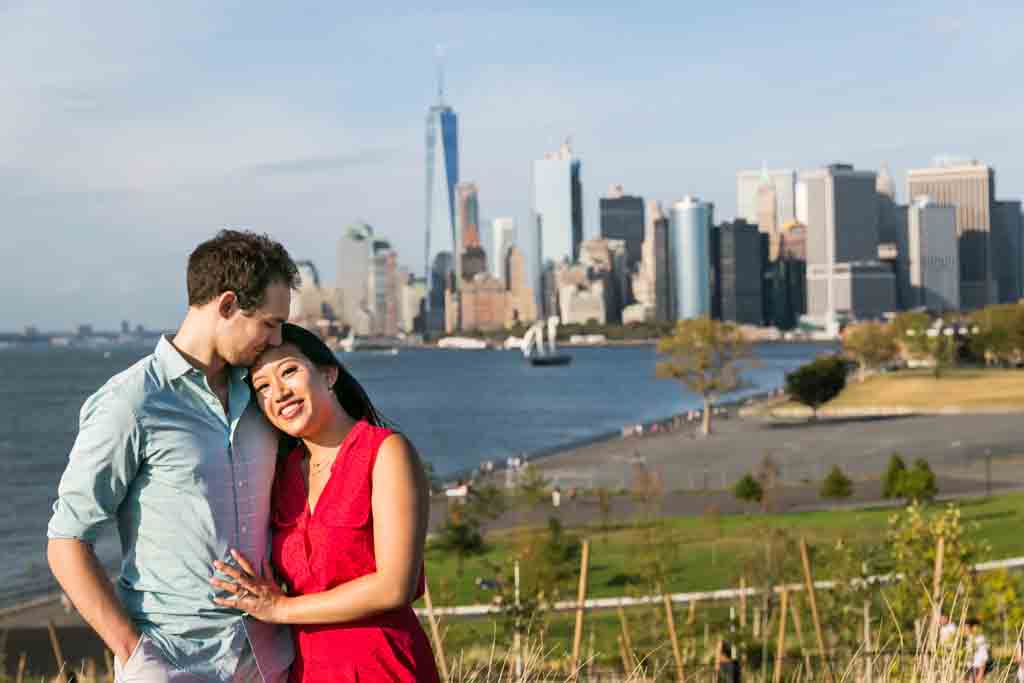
column 272, row 528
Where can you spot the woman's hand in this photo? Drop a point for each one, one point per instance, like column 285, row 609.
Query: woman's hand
column 258, row 596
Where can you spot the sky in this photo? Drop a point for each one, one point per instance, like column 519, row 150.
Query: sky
column 130, row 132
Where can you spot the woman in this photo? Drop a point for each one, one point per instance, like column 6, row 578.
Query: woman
column 350, row 508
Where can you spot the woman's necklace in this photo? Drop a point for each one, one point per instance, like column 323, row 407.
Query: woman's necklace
column 317, row 467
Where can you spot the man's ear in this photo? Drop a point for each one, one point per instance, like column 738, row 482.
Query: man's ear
column 332, row 376
column 227, row 304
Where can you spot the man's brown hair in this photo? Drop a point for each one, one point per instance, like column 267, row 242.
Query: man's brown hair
column 238, row 261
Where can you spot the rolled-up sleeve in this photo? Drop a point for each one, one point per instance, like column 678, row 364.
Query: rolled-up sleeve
column 103, row 463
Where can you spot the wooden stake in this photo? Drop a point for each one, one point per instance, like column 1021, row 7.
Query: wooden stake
column 581, row 597
column 590, row 655
column 62, row 676
column 108, row 660
column 780, row 650
column 809, row 580
column 676, row 654
column 940, row 552
column 435, row 634
column 691, row 616
column 627, row 666
column 868, row 663
column 517, row 639
column 798, row 627
column 743, row 601
column 627, row 638
column 22, row 665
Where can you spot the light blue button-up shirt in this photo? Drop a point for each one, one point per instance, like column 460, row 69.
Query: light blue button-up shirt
column 185, row 483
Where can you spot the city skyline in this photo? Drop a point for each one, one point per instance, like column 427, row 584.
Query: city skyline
column 121, row 150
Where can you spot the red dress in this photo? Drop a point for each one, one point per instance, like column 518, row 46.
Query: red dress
column 334, row 545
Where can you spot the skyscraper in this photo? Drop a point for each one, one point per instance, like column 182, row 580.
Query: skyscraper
column 689, row 254
column 622, row 218
column 970, row 187
column 472, row 259
column 557, row 208
column 740, row 267
column 503, row 233
column 748, row 185
column 651, row 286
column 442, row 166
column 354, row 252
column 845, row 279
column 933, row 270
column 383, row 289
column 1007, row 243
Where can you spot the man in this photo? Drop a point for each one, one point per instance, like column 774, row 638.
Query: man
column 173, row 451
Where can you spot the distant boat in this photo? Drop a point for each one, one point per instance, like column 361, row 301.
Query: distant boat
column 353, row 343
column 534, row 349
column 462, row 343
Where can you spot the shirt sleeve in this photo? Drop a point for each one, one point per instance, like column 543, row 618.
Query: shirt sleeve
column 103, row 463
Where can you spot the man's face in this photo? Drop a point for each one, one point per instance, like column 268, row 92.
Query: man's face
column 244, row 335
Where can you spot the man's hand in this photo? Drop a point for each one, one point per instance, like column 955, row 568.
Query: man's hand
column 258, row 596
column 79, row 573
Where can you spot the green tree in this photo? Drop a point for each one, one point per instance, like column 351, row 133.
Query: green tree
column 912, row 541
column 997, row 333
column 871, row 344
column 918, row 482
column 891, row 478
column 748, row 489
column 817, row 382
column 836, row 486
column 461, row 534
column 707, row 357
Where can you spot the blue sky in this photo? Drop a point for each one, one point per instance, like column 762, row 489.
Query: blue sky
column 129, row 132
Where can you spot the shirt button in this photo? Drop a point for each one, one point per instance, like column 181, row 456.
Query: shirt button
column 241, row 484
column 245, row 528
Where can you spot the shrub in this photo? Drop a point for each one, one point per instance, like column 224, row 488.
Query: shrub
column 918, row 482
column 837, row 485
column 891, row 479
column 748, row 489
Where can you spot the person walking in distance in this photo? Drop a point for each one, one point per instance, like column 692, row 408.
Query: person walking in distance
column 175, row 452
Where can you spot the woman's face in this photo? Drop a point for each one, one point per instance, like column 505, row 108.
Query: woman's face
column 293, row 393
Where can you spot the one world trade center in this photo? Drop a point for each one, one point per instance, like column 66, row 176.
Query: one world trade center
column 441, row 238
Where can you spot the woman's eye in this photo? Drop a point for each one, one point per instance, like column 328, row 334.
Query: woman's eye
column 288, row 371
column 262, row 388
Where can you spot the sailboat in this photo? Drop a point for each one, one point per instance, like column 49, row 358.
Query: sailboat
column 534, row 349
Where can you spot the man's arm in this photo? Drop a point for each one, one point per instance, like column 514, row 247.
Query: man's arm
column 79, row 573
column 104, row 460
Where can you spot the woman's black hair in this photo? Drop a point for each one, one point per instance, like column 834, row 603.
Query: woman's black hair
column 350, row 393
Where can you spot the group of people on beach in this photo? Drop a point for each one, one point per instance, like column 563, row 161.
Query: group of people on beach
column 272, row 525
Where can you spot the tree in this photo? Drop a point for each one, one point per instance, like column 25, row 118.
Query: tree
column 461, row 534
column 706, row 356
column 891, row 478
column 748, row 489
column 836, row 486
column 871, row 344
column 817, row 382
column 997, row 333
column 918, row 483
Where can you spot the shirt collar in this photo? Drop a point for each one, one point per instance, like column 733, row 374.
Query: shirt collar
column 175, row 365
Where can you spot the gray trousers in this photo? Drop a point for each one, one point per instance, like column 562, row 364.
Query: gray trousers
column 147, row 665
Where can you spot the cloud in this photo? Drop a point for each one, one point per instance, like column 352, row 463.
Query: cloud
column 325, row 164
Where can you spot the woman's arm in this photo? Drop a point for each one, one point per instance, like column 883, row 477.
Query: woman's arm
column 401, row 507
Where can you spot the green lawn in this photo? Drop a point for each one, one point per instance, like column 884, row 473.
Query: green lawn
column 698, row 553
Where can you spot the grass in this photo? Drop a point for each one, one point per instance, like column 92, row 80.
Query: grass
column 698, row 553
column 918, row 390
